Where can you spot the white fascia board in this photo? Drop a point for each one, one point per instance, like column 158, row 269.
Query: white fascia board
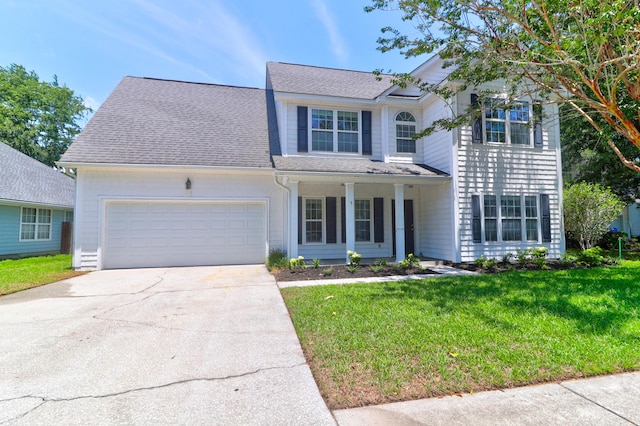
column 116, row 166
column 35, row 204
column 362, row 178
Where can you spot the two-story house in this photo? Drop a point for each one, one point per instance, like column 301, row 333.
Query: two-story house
column 321, row 162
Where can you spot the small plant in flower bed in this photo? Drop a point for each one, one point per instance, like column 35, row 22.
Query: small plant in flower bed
column 316, row 263
column 297, row 263
column 354, row 258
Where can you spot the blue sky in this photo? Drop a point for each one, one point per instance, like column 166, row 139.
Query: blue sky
column 91, row 44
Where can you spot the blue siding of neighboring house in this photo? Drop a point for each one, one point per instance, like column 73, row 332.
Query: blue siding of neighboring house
column 10, row 243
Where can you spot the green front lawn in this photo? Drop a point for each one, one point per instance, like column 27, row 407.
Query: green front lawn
column 21, row 274
column 375, row 343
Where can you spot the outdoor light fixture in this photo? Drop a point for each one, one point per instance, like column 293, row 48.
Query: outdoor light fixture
column 188, row 184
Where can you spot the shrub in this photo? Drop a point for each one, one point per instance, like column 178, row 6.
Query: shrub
column 380, row 262
column 591, row 257
column 376, row 268
column 316, row 263
column 610, row 240
column 327, row 272
column 354, row 258
column 480, row 261
column 277, row 259
column 351, row 268
column 297, row 263
column 589, row 209
column 522, row 257
column 410, row 262
column 568, row 259
column 538, row 256
column 506, row 259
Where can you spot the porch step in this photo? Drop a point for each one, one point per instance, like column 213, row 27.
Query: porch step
column 431, row 262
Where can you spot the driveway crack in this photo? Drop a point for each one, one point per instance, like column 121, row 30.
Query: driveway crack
column 598, row 404
column 45, row 400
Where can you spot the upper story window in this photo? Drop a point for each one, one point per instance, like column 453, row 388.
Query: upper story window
column 334, row 130
column 507, row 125
column 35, row 224
column 405, row 130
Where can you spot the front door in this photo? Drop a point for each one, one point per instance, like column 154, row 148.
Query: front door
column 409, row 239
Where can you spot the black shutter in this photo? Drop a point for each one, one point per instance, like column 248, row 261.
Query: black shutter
column 303, row 136
column 476, row 130
column 546, row 218
column 476, row 225
column 299, row 220
column 537, row 125
column 366, row 133
column 331, row 220
column 378, row 220
column 343, row 219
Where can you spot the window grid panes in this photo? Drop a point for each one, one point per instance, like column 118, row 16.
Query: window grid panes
column 511, row 213
column 335, row 131
column 405, row 132
column 531, row 213
column 507, row 125
column 35, row 224
column 363, row 220
column 322, row 130
column 490, row 218
column 313, row 221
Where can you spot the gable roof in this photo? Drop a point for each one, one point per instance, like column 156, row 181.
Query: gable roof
column 166, row 122
column 310, row 80
column 27, row 180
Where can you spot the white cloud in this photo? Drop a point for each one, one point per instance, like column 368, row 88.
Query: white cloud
column 337, row 42
column 92, row 103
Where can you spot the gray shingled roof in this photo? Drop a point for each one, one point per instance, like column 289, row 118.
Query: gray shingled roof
column 352, row 165
column 23, row 179
column 165, row 122
column 309, row 80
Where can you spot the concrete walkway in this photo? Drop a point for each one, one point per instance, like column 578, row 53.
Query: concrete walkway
column 601, row 401
column 196, row 346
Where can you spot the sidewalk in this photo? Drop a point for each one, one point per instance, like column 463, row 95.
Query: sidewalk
column 606, row 400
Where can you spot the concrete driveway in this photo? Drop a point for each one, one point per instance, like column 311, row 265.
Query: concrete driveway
column 203, row 345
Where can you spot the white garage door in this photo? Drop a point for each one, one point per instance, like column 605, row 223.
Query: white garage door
column 151, row 234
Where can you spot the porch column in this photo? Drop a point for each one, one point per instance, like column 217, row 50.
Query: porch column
column 399, row 194
column 350, row 218
column 293, row 219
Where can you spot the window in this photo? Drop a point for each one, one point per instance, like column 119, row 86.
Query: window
column 335, row 131
column 405, row 130
column 511, row 214
column 508, row 218
column 531, row 213
column 35, row 224
column 508, row 126
column 490, row 218
column 313, row 220
column 363, row 220
column 68, row 216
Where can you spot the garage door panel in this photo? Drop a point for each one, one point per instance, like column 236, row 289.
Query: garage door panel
column 150, row 233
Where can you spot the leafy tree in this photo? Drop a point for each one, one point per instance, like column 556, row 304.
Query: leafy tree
column 589, row 209
column 38, row 118
column 584, row 53
column 587, row 157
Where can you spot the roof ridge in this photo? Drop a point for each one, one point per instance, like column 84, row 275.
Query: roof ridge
column 171, row 80
column 326, row 68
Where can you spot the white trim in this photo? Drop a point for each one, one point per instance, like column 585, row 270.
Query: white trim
column 559, row 181
column 35, row 204
column 334, row 131
column 36, row 225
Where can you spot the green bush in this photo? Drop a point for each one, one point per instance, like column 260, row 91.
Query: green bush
column 410, row 262
column 327, row 272
column 376, row 268
column 354, row 258
column 591, row 257
column 380, row 262
column 277, row 259
column 610, row 240
column 316, row 263
column 297, row 263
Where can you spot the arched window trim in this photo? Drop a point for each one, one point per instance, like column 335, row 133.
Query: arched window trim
column 405, row 116
column 405, row 129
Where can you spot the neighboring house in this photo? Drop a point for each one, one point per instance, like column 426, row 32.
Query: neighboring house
column 629, row 220
column 323, row 161
column 34, row 201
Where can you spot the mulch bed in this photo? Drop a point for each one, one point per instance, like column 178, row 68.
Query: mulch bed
column 340, row 272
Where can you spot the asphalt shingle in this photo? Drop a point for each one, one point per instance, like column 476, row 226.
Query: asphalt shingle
column 166, row 122
column 23, row 179
column 309, row 80
column 352, row 165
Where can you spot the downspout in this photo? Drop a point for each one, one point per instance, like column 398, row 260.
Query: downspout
column 286, row 217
